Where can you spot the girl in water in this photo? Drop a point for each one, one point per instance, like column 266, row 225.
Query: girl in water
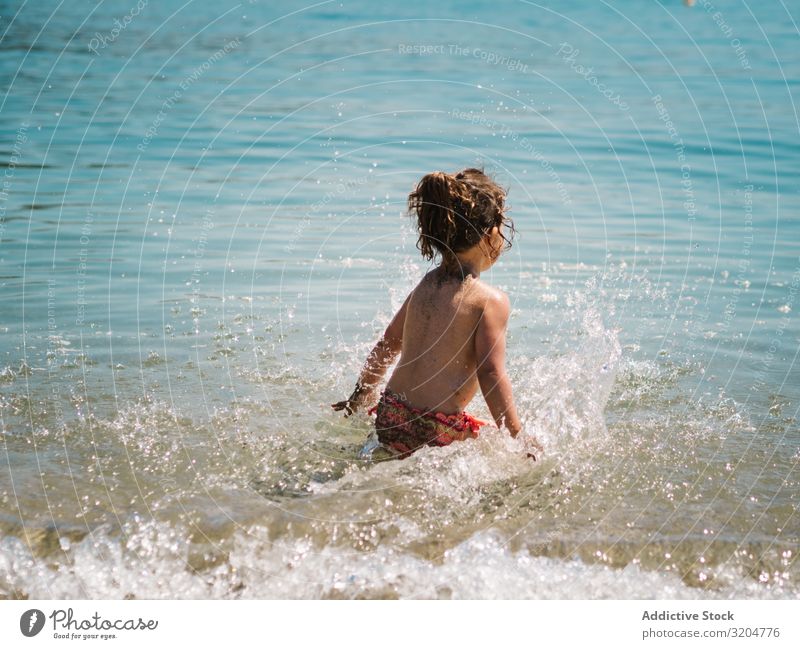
column 451, row 330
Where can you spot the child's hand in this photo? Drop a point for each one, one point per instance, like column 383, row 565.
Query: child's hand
column 353, row 402
column 348, row 405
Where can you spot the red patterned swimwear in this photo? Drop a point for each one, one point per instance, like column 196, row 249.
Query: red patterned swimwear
column 405, row 429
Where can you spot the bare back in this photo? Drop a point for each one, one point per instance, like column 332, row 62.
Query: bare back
column 437, row 366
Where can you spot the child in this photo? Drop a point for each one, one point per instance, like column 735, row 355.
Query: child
column 450, row 331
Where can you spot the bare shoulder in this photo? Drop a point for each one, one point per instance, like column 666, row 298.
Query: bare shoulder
column 494, row 299
column 424, row 286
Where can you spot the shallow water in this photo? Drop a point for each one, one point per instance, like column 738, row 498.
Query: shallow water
column 202, row 232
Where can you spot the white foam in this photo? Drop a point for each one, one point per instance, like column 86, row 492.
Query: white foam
column 152, row 564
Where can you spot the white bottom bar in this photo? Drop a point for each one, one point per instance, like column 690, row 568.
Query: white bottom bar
column 388, row 624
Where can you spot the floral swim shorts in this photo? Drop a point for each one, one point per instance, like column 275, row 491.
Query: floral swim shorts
column 405, row 429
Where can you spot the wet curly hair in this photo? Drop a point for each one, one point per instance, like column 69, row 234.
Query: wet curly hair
column 454, row 211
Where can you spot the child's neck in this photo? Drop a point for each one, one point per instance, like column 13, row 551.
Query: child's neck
column 460, row 268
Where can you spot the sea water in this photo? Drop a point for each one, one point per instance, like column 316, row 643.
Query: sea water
column 203, row 232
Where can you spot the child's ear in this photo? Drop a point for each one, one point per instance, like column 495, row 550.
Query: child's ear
column 493, row 234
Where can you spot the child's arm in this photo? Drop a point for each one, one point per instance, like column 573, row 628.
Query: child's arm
column 378, row 360
column 490, row 349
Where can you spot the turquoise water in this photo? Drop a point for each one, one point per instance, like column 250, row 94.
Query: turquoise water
column 202, row 232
